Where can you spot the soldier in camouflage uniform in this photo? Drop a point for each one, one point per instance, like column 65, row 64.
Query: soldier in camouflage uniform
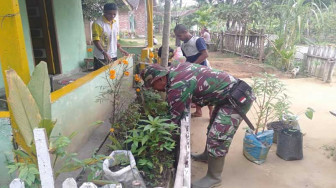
column 186, row 83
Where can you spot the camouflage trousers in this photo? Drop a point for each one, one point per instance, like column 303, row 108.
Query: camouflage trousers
column 223, row 125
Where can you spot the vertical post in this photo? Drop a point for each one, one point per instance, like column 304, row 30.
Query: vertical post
column 309, row 62
column 305, row 62
column 234, row 42
column 325, row 63
column 318, row 65
column 12, row 48
column 332, row 62
column 145, row 52
column 43, row 158
column 331, row 71
column 261, row 44
column 243, row 41
column 165, row 35
column 222, row 41
column 150, row 23
column 183, row 171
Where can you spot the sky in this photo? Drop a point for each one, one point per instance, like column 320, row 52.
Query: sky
column 188, row 2
column 185, row 3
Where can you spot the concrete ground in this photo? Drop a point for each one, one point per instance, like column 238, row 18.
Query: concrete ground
column 60, row 81
column 317, row 169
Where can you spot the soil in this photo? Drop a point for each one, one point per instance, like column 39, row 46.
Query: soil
column 117, row 168
column 241, row 67
column 317, row 169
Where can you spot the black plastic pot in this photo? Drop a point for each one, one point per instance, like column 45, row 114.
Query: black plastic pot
column 290, row 143
column 277, row 126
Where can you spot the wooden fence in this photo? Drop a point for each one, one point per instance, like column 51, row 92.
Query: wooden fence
column 250, row 45
column 320, row 62
column 183, row 172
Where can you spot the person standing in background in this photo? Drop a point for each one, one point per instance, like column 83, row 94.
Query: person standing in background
column 206, row 35
column 195, row 50
column 104, row 35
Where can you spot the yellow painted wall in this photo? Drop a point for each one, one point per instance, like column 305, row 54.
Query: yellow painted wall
column 12, row 46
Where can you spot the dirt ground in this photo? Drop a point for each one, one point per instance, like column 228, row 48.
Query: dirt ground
column 317, row 169
column 240, row 67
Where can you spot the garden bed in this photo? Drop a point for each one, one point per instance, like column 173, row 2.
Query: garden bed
column 144, row 130
column 141, row 127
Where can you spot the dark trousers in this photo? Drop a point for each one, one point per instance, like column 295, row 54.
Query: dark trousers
column 99, row 63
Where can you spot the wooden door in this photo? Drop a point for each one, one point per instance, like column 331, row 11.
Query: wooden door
column 43, row 34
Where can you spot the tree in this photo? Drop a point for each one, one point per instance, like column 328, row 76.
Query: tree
column 165, row 35
column 92, row 9
column 292, row 21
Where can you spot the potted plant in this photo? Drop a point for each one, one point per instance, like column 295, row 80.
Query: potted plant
column 290, row 140
column 280, row 111
column 269, row 92
column 121, row 167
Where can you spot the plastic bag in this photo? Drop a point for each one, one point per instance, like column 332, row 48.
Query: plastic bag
column 256, row 147
column 290, row 145
column 112, row 186
column 207, row 63
column 129, row 176
column 277, row 126
column 178, row 53
column 178, row 56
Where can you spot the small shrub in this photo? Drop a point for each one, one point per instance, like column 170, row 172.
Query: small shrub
column 152, row 144
column 271, row 101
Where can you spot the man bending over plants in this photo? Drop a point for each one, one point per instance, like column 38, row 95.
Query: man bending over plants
column 232, row 98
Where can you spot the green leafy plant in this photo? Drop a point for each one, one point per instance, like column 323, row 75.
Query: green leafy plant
column 271, row 99
column 116, row 145
column 31, row 109
column 153, row 104
column 272, row 102
column 121, row 159
column 58, row 146
column 72, row 163
column 128, row 121
column 130, row 117
column 28, row 173
column 292, row 119
column 151, row 142
column 145, row 164
column 154, row 134
column 29, row 114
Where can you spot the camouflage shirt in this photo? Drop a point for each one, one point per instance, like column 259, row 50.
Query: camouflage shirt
column 195, row 83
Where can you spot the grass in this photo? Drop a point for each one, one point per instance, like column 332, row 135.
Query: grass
column 220, row 55
column 142, row 42
column 330, row 150
column 132, row 42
